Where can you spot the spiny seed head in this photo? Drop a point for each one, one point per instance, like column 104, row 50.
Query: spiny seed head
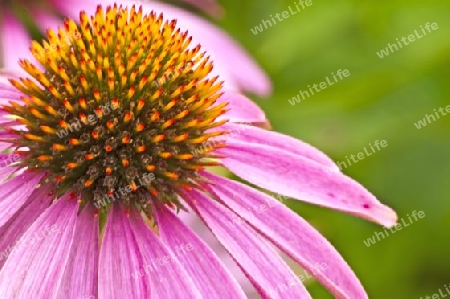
column 117, row 107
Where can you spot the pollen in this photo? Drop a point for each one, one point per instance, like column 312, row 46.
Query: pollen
column 113, row 98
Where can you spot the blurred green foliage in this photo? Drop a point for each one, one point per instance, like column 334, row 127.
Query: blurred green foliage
column 382, row 99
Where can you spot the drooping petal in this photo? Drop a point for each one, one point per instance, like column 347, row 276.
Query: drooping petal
column 36, row 265
column 209, row 275
column 290, row 233
column 168, row 279
column 300, row 178
column 14, row 40
column 119, row 257
column 80, row 278
column 15, row 192
column 255, row 135
column 36, row 204
column 241, row 109
column 265, row 268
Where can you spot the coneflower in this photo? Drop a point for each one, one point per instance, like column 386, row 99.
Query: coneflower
column 101, row 137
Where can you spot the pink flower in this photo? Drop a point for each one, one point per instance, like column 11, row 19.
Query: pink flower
column 111, row 135
column 226, row 52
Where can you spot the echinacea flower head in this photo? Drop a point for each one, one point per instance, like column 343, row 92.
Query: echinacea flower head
column 111, row 134
column 142, row 72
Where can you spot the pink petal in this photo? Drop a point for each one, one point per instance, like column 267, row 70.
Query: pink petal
column 168, row 278
column 36, row 204
column 80, row 280
column 265, row 268
column 291, row 234
column 300, row 178
column 201, row 264
column 242, row 109
column 255, row 135
column 36, row 265
column 15, row 192
column 119, row 257
column 15, row 41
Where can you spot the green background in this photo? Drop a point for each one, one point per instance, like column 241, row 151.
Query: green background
column 381, row 99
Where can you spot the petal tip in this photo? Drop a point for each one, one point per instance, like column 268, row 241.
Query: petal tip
column 385, row 216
